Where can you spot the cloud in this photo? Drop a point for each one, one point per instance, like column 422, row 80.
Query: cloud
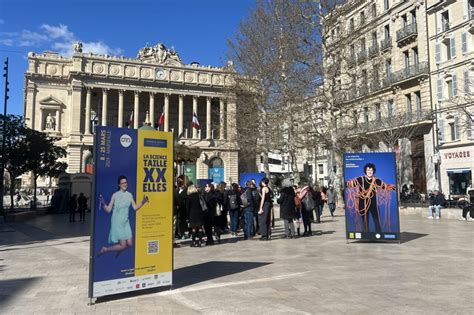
column 57, row 38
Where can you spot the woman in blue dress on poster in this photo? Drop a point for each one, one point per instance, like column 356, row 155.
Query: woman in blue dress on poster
column 120, row 231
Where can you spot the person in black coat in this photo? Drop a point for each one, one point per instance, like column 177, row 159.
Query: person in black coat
column 210, row 217
column 72, row 208
column 82, row 206
column 287, row 207
column 319, row 203
column 195, row 215
column 180, row 210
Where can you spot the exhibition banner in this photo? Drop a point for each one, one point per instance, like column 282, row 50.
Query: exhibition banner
column 131, row 243
column 371, row 202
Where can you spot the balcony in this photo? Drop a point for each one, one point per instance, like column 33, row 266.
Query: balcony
column 385, row 44
column 406, row 33
column 373, row 50
column 362, row 56
column 410, row 72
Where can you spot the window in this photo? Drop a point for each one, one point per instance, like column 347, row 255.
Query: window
column 418, row 104
column 375, row 72
column 404, row 20
column 452, row 130
column 445, row 21
column 378, row 113
column 352, row 50
column 390, row 108
column 415, row 56
column 386, row 31
column 406, row 58
column 364, row 77
column 470, row 7
column 374, row 39
column 366, row 114
column 362, row 17
column 449, row 48
column 321, row 169
column 351, row 24
column 374, row 10
column 362, row 45
column 386, row 5
column 413, row 16
column 408, row 106
column 449, row 85
column 356, row 118
column 388, row 67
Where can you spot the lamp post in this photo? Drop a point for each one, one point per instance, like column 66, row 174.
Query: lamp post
column 2, row 170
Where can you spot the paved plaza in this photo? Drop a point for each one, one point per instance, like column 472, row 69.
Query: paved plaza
column 44, row 270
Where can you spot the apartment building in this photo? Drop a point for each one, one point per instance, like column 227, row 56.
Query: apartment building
column 383, row 80
column 451, row 45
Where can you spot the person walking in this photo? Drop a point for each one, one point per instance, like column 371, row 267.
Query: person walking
column 308, row 204
column 264, row 209
column 287, row 207
column 195, row 215
column 331, row 199
column 72, row 208
column 82, row 207
column 319, row 203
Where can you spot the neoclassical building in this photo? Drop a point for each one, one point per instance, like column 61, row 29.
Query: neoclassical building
column 69, row 96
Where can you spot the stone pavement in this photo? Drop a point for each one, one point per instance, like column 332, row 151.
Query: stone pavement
column 44, row 270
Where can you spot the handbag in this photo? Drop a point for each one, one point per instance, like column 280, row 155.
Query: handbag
column 203, row 203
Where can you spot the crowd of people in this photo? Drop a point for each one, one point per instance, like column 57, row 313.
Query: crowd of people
column 204, row 214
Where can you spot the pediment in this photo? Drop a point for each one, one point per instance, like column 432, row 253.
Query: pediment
column 51, row 101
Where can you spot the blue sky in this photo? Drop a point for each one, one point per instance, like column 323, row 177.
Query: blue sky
column 197, row 29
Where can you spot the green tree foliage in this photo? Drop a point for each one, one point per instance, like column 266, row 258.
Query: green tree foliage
column 28, row 150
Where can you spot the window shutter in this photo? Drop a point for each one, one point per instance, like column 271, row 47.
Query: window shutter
column 464, row 42
column 438, row 53
column 455, row 85
column 456, row 128
column 438, row 23
column 466, row 9
column 466, row 82
column 440, row 89
column 453, row 48
column 441, row 130
column 469, row 126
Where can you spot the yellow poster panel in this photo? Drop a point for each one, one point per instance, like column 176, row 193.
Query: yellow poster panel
column 154, row 221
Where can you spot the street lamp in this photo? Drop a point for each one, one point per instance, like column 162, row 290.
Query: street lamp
column 2, row 170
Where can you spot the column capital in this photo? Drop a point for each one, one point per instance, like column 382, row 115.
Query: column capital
column 152, row 93
column 88, row 89
column 167, row 95
column 105, row 90
column 181, row 96
column 121, row 91
column 136, row 93
column 195, row 97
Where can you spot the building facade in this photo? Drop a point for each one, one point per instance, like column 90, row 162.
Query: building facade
column 68, row 97
column 451, row 44
column 384, row 81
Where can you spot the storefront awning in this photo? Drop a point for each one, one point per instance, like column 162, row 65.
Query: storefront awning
column 459, row 170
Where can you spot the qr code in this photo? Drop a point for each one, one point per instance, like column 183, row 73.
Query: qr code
column 153, row 247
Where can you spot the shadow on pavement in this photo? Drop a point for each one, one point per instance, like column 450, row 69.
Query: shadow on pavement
column 410, row 236
column 190, row 275
column 14, row 287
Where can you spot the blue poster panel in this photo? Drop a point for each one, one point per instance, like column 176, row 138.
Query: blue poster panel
column 131, row 244
column 371, row 196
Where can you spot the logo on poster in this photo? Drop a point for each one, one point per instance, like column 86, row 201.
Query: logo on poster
column 125, row 141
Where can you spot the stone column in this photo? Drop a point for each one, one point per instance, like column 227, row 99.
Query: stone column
column 180, row 115
column 231, row 120
column 87, row 121
column 104, row 106
column 167, row 111
column 151, row 109
column 195, row 109
column 30, row 107
column 75, row 108
column 56, row 125
column 136, row 109
column 42, row 127
column 208, row 118
column 120, row 109
column 221, row 119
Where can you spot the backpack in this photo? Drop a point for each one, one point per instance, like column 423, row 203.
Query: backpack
column 297, row 201
column 309, row 203
column 244, row 199
column 233, row 203
column 256, row 197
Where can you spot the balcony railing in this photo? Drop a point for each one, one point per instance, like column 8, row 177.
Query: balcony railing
column 407, row 32
column 385, row 43
column 362, row 56
column 409, row 72
column 373, row 50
